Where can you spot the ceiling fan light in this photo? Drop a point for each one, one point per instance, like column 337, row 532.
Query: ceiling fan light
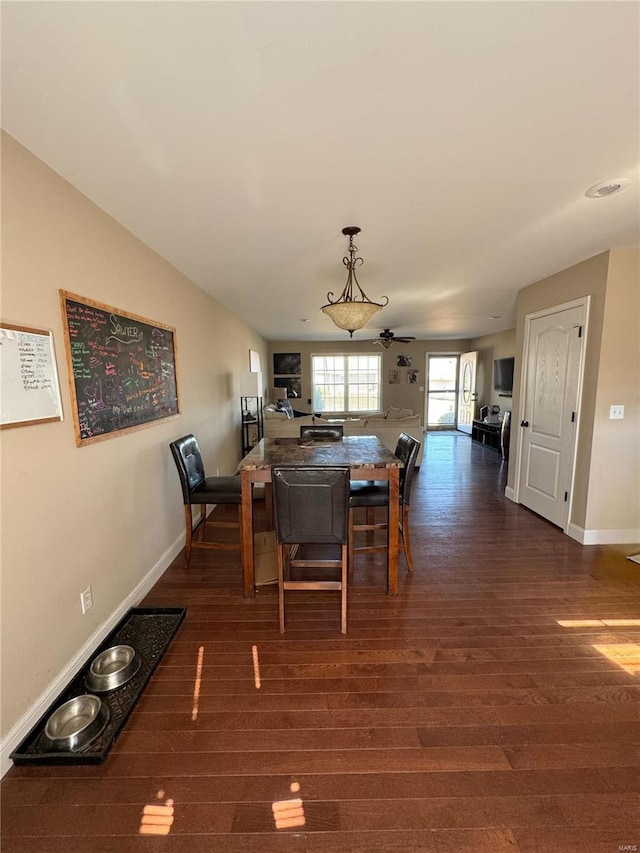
column 385, row 344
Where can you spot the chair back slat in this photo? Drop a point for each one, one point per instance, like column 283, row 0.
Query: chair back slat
column 407, row 450
column 188, row 459
column 311, row 504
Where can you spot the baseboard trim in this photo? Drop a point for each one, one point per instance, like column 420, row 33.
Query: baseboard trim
column 24, row 725
column 603, row 537
column 510, row 494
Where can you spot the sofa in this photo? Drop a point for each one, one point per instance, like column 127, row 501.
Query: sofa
column 386, row 426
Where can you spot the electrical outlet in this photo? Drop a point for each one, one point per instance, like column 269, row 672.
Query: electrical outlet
column 616, row 413
column 86, row 599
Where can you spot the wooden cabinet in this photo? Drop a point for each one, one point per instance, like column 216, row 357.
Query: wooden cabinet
column 493, row 435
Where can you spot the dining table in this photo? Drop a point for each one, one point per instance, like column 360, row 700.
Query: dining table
column 367, row 459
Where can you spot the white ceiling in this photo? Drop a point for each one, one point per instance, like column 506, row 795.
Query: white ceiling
column 238, row 138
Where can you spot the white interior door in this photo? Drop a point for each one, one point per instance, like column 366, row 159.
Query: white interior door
column 467, row 391
column 554, row 362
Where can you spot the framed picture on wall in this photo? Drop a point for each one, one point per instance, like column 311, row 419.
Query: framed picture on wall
column 292, row 387
column 287, row 362
column 413, row 376
column 394, row 377
column 403, row 361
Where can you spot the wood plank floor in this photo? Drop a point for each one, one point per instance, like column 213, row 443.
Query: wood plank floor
column 492, row 706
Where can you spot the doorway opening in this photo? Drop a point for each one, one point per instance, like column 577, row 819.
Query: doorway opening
column 442, row 392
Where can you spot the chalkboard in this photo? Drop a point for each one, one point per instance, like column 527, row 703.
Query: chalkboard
column 29, row 389
column 122, row 369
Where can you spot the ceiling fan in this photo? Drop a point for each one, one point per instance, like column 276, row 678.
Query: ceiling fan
column 386, row 338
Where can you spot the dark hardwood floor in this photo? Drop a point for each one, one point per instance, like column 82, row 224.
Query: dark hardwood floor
column 494, row 705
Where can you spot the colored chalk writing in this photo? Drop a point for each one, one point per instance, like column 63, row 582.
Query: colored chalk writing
column 123, row 369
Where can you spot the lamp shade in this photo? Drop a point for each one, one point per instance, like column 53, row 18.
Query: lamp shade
column 251, row 385
column 351, row 316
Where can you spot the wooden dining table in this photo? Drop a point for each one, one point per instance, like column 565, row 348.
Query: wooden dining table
column 366, row 457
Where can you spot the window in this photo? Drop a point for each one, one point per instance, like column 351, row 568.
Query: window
column 346, row 383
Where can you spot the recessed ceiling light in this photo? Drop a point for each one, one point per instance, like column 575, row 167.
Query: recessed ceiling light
column 605, row 188
column 495, row 316
column 304, row 320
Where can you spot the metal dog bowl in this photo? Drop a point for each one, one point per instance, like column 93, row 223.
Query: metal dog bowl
column 74, row 725
column 112, row 668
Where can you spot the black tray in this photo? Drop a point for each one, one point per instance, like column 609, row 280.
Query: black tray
column 149, row 630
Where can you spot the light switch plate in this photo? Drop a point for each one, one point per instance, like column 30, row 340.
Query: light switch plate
column 616, row 413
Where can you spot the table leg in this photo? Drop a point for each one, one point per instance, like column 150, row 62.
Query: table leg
column 248, row 565
column 394, row 539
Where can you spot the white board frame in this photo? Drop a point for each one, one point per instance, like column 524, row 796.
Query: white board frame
column 17, row 409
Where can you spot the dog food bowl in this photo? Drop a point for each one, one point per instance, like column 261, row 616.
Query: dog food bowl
column 112, row 668
column 74, row 725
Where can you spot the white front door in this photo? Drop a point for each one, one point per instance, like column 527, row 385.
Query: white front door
column 467, row 391
column 548, row 428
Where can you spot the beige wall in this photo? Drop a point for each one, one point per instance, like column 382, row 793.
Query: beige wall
column 611, row 371
column 107, row 513
column 613, row 501
column 402, row 395
column 490, row 347
column 588, row 278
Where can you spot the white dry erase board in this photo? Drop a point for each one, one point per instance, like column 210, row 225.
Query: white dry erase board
column 29, row 388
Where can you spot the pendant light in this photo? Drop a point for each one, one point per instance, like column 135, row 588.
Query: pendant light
column 353, row 309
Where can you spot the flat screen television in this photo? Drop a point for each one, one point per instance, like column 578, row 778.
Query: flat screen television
column 503, row 376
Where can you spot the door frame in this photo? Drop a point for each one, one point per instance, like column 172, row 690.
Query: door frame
column 582, row 302
column 437, row 354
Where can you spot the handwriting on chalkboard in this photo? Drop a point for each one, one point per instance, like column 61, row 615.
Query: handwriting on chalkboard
column 123, row 369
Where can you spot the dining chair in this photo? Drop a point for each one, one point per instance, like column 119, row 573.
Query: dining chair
column 324, row 433
column 201, row 490
column 372, row 494
column 311, row 507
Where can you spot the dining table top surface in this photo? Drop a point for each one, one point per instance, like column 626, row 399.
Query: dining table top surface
column 353, row 451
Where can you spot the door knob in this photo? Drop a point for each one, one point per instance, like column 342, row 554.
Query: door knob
column 524, row 423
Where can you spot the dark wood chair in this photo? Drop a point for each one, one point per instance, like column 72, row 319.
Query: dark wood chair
column 322, row 433
column 201, row 490
column 373, row 494
column 311, row 507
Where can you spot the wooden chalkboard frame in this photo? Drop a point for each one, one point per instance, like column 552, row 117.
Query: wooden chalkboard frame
column 94, row 369
column 54, row 408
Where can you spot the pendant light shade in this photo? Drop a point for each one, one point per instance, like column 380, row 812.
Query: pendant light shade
column 353, row 309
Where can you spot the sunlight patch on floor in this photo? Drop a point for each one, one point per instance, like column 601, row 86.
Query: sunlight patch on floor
column 597, row 623
column 197, row 684
column 289, row 813
column 626, row 655
column 256, row 667
column 157, row 819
